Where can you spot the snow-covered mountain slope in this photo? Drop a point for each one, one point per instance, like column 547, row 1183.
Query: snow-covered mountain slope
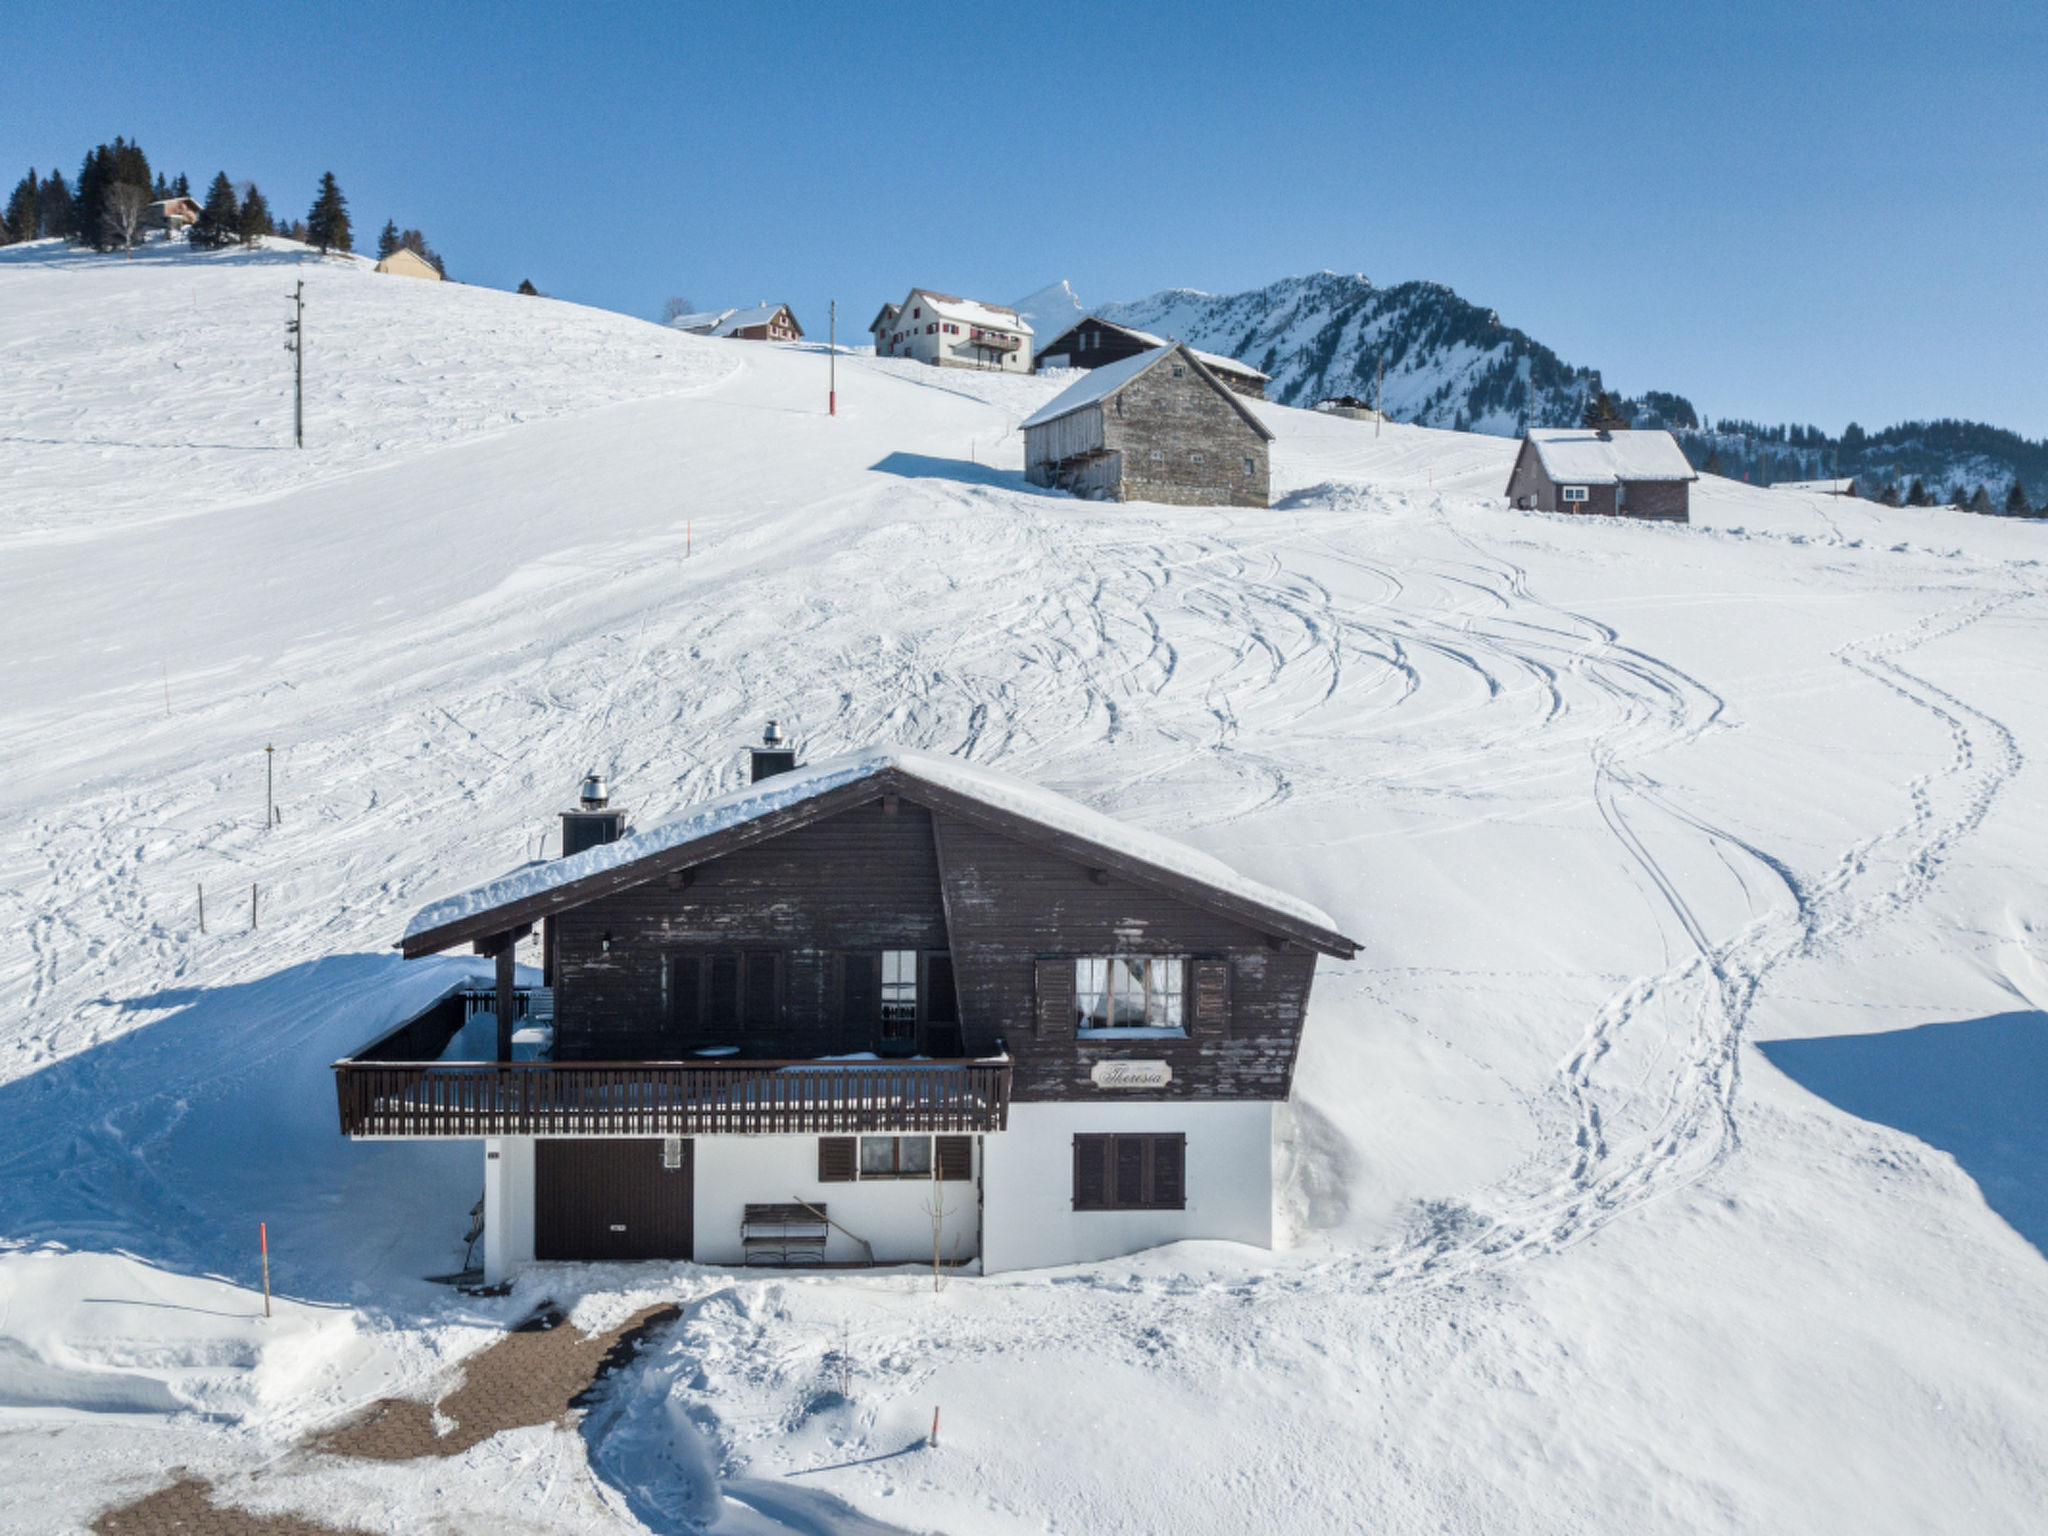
column 1669, row 1161
column 1447, row 362
column 1050, row 310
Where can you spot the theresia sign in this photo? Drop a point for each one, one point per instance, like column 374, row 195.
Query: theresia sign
column 1131, row 1074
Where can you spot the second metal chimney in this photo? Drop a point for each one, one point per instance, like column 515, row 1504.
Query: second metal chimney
column 774, row 755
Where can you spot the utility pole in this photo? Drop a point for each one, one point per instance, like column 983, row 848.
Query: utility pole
column 295, row 343
column 832, row 359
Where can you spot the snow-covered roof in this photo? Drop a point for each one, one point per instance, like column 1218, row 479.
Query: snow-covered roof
column 973, row 312
column 1582, row 456
column 1054, row 813
column 1105, row 381
column 740, row 319
column 704, row 322
column 1146, row 339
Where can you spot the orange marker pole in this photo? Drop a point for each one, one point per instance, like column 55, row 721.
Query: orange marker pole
column 263, row 1238
column 935, row 1429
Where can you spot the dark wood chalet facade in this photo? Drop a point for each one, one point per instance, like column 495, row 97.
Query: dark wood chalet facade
column 1157, row 426
column 881, row 944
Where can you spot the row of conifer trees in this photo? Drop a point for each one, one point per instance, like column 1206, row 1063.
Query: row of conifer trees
column 105, row 207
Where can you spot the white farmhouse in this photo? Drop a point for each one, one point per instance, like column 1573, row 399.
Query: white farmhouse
column 952, row 332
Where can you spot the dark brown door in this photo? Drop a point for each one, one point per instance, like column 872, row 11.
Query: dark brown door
column 610, row 1198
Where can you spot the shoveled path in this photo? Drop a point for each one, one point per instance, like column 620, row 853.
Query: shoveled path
column 534, row 1375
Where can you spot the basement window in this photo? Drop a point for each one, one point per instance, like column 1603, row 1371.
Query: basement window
column 895, row 1157
column 1123, row 994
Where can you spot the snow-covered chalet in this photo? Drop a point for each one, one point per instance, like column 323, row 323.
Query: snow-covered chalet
column 952, row 332
column 888, row 1007
column 1614, row 473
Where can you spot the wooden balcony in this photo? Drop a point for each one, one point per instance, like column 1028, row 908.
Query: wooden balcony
column 645, row 1098
column 989, row 343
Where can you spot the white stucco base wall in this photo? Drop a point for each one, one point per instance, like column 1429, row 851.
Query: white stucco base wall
column 508, row 1206
column 894, row 1215
column 1028, row 1182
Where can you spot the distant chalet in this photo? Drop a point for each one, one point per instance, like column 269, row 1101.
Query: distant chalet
column 764, row 322
column 1612, row 474
column 948, row 331
column 1095, row 342
column 1160, row 426
column 406, row 262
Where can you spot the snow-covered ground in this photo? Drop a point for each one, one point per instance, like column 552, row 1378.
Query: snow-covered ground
column 1671, row 1160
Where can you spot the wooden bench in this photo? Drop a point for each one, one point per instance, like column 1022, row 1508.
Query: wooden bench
column 784, row 1234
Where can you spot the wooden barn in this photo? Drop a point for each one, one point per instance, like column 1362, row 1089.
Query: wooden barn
column 1094, row 342
column 1158, row 426
column 794, row 1021
column 1615, row 473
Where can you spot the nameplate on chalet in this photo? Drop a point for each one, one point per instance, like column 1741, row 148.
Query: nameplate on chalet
column 1131, row 1074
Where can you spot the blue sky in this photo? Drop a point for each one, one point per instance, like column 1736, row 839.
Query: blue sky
column 1818, row 212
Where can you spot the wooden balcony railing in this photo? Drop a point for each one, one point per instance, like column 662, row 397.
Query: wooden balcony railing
column 992, row 343
column 752, row 1098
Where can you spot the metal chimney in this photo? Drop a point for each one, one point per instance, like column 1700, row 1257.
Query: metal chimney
column 592, row 824
column 774, row 755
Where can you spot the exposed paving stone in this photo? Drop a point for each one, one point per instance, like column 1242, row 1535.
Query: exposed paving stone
column 183, row 1509
column 533, row 1375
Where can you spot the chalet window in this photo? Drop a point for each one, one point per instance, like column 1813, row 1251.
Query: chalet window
column 1130, row 1173
column 1194, row 458
column 899, row 993
column 714, row 994
column 895, row 1157
column 1129, row 992
column 1178, row 371
column 843, row 1159
column 1159, row 453
column 1250, row 468
column 1571, row 493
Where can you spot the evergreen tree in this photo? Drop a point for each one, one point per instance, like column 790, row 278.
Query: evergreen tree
column 1980, row 502
column 220, row 221
column 1960, row 498
column 1603, row 413
column 181, row 187
column 24, row 209
column 1917, row 496
column 1890, row 496
column 54, row 213
column 327, row 219
column 2016, row 503
column 387, row 239
column 526, row 287
column 1713, row 464
column 94, row 177
column 255, row 221
column 160, row 189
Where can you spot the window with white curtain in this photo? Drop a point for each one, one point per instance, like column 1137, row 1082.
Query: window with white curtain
column 1129, row 992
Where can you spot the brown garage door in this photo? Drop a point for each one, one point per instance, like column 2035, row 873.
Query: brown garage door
column 606, row 1198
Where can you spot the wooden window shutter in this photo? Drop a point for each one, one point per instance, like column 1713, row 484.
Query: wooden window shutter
column 763, row 1006
column 836, row 1158
column 1091, row 1186
column 1169, row 1173
column 1129, row 1174
column 1212, row 997
column 1056, row 999
column 953, row 1157
column 685, row 996
column 861, row 994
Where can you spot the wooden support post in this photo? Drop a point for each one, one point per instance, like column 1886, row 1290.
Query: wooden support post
column 507, row 956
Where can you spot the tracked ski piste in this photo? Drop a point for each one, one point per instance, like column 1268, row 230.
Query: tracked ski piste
column 1606, row 802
